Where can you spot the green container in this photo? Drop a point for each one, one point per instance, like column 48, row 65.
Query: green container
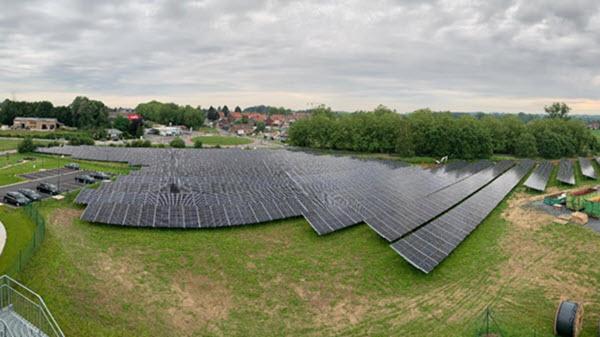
column 575, row 200
column 592, row 207
column 555, row 199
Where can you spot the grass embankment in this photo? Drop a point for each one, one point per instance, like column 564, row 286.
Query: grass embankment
column 19, row 228
column 13, row 165
column 223, row 140
column 281, row 279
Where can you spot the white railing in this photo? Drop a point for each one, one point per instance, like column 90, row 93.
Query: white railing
column 29, row 305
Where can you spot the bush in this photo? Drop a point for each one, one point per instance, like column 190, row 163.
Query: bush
column 197, row 143
column 81, row 141
column 26, row 146
column 139, row 143
column 525, row 145
column 177, row 143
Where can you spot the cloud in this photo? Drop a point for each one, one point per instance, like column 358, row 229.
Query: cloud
column 500, row 55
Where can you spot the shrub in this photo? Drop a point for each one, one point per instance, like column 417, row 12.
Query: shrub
column 139, row 143
column 177, row 143
column 81, row 140
column 26, row 145
column 197, row 143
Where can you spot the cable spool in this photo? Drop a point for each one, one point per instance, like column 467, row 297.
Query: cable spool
column 569, row 319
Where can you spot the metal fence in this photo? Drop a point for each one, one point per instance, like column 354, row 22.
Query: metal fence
column 36, row 240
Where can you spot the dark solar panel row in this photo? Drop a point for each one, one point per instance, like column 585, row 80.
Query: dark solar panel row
column 587, row 169
column 406, row 217
column 427, row 247
column 540, row 176
column 566, row 173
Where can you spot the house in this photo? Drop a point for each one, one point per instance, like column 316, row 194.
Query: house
column 114, row 134
column 125, row 112
column 35, row 124
column 594, row 125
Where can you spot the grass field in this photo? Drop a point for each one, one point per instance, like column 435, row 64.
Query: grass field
column 13, row 165
column 12, row 144
column 223, row 140
column 281, row 279
column 19, row 230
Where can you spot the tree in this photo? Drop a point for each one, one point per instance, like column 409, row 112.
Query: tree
column 121, row 123
column 225, row 111
column 525, row 145
column 238, row 109
column 197, row 143
column 260, row 126
column 212, row 114
column 26, row 145
column 89, row 114
column 177, row 143
column 558, row 110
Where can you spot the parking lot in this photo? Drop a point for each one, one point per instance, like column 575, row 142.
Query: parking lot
column 65, row 181
column 47, row 173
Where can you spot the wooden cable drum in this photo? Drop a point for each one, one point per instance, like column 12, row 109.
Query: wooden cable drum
column 569, row 319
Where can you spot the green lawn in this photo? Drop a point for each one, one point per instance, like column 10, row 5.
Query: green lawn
column 281, row 279
column 223, row 140
column 12, row 144
column 19, row 228
column 15, row 164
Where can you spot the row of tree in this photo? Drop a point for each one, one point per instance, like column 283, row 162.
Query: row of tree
column 82, row 113
column 171, row 113
column 438, row 134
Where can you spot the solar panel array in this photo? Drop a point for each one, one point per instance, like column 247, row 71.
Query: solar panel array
column 540, row 176
column 566, row 173
column 189, row 188
column 428, row 246
column 587, row 169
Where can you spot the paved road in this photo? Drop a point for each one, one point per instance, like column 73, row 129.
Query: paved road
column 66, row 182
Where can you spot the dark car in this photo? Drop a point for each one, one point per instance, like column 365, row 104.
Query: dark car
column 30, row 194
column 85, row 179
column 72, row 166
column 16, row 199
column 100, row 176
column 48, row 188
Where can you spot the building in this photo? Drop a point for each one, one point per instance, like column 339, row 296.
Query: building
column 35, row 124
column 114, row 134
column 125, row 112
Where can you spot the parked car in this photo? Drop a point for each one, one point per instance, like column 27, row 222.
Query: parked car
column 16, row 199
column 48, row 188
column 85, row 179
column 100, row 176
column 30, row 194
column 72, row 166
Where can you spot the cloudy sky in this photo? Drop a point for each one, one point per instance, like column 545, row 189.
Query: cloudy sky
column 487, row 55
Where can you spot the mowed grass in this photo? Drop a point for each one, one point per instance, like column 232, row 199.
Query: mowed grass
column 11, row 166
column 19, row 230
column 281, row 279
column 223, row 140
column 12, row 144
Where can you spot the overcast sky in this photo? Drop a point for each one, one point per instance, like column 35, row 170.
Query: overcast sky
column 488, row 55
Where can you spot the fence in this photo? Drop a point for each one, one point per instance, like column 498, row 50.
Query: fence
column 36, row 240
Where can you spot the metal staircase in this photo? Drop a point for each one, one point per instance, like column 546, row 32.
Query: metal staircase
column 23, row 313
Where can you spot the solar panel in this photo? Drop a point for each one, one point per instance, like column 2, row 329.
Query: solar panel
column 428, row 246
column 566, row 173
column 587, row 169
column 406, row 217
column 539, row 178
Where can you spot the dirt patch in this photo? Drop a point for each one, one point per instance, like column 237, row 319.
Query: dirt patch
column 64, row 217
column 200, row 302
column 531, row 262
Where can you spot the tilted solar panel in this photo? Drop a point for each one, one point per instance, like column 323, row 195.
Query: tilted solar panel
column 566, row 173
column 587, row 169
column 428, row 246
column 540, row 176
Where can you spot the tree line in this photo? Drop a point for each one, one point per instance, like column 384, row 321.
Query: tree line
column 82, row 113
column 438, row 134
column 171, row 113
